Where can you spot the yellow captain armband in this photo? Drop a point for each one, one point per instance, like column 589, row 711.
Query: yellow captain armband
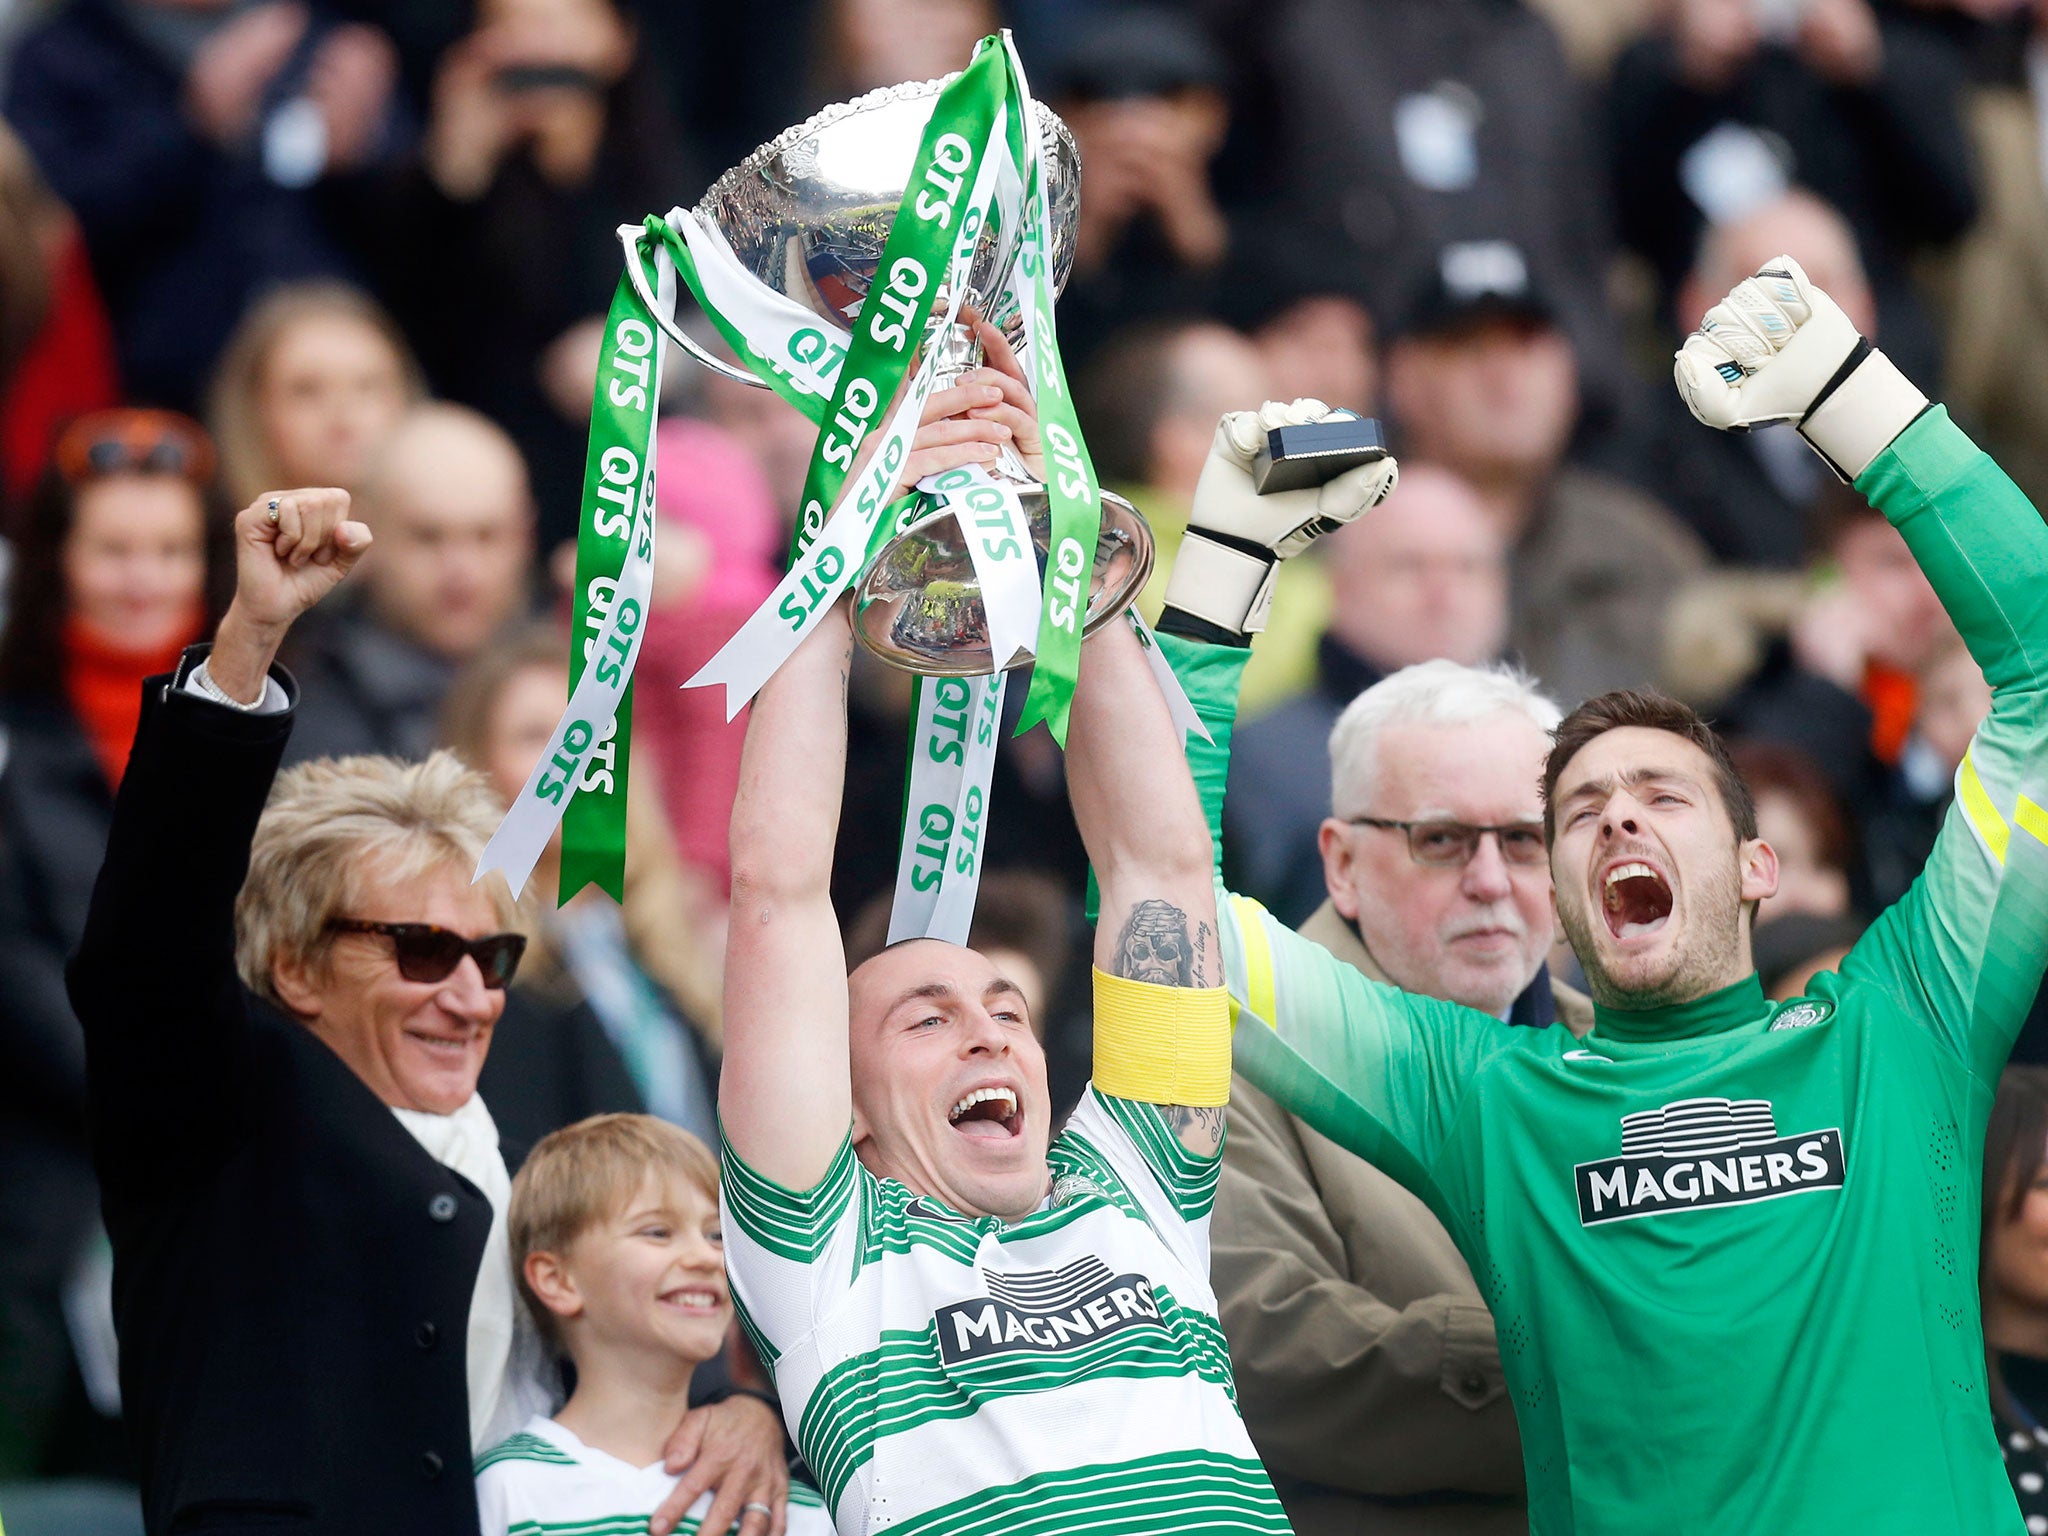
column 1162, row 1045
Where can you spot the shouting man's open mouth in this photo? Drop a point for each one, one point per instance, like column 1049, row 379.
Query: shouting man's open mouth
column 1635, row 898
column 988, row 1114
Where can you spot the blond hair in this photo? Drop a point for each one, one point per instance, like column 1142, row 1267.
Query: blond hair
column 247, row 466
column 335, row 827
column 587, row 1173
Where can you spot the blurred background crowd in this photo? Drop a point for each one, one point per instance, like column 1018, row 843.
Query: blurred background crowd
column 253, row 244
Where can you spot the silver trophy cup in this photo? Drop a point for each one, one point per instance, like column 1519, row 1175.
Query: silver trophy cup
column 808, row 214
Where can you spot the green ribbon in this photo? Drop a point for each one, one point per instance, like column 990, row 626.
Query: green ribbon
column 617, row 469
column 914, row 263
column 1075, row 495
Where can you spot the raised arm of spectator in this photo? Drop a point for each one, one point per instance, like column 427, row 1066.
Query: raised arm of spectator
column 154, row 980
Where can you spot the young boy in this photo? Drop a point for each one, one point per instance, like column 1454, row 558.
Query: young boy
column 615, row 1232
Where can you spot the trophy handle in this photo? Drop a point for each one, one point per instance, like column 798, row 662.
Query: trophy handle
column 636, row 273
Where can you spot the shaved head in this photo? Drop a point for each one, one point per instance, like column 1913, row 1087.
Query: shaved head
column 884, row 980
column 446, row 495
column 949, row 1089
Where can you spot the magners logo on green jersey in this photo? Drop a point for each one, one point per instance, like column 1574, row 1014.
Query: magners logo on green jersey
column 1040, row 1311
column 1695, row 1153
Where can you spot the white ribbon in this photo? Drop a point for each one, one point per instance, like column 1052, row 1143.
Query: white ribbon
column 1186, row 719
column 945, row 807
column 826, row 568
column 781, row 335
column 997, row 533
column 953, row 741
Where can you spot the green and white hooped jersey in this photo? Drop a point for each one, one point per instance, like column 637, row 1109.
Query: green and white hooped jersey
column 544, row 1481
column 945, row 1373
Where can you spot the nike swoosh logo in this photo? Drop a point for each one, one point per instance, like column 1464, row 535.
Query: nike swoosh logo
column 1587, row 1056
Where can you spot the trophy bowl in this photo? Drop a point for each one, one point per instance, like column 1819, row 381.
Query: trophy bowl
column 918, row 604
column 807, row 215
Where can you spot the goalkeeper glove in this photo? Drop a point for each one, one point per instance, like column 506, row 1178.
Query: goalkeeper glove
column 1223, row 576
column 1778, row 349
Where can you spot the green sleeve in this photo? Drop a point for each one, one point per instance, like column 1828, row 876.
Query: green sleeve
column 1963, row 950
column 1381, row 1072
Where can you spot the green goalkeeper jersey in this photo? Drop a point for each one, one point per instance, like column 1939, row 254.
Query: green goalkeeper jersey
column 1730, row 1246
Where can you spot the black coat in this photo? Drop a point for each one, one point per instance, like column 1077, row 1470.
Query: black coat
column 292, row 1270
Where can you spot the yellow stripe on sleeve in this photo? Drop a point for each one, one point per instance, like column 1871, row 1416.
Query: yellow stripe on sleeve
column 1162, row 1045
column 2032, row 820
column 1982, row 813
column 1259, row 982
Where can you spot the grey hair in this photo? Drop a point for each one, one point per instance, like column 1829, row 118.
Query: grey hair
column 333, row 825
column 1428, row 693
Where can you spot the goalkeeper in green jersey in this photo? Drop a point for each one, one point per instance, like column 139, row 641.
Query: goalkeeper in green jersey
column 1730, row 1246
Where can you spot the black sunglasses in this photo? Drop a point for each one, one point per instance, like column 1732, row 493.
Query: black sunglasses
column 428, row 953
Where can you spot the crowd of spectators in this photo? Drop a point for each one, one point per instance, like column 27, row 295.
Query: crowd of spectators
column 254, row 244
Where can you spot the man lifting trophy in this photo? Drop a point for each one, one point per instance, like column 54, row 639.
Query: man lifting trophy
column 922, row 1263
column 857, row 264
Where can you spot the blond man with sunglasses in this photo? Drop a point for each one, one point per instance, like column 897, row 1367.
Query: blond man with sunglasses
column 305, row 1194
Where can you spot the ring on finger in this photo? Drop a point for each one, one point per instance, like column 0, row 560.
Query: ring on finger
column 766, row 1510
column 271, row 511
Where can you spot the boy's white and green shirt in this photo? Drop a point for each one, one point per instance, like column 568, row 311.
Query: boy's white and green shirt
column 544, row 1481
column 956, row 1374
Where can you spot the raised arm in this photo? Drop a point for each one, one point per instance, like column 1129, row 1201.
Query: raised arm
column 785, row 1094
column 1379, row 1071
column 1142, row 824
column 1963, row 951
column 785, row 1098
column 153, row 982
column 1401, row 1061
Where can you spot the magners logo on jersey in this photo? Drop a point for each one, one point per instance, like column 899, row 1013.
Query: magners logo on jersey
column 1040, row 1311
column 1704, row 1152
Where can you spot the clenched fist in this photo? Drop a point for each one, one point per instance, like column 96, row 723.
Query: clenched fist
column 1236, row 537
column 1779, row 349
column 291, row 549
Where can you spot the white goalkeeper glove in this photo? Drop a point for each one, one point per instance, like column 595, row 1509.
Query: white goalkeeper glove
column 1236, row 538
column 1779, row 349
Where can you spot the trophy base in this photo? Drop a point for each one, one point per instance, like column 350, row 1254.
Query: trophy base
column 918, row 604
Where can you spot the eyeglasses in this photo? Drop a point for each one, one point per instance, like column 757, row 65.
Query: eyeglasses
column 428, row 953
column 1451, row 844
column 134, row 442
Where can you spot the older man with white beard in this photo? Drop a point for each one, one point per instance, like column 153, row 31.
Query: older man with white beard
column 1365, row 1358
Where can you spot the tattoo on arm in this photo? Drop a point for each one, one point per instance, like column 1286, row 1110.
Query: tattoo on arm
column 1199, row 1129
column 1156, row 946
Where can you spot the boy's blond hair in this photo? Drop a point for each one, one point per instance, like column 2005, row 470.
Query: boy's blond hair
column 586, row 1173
